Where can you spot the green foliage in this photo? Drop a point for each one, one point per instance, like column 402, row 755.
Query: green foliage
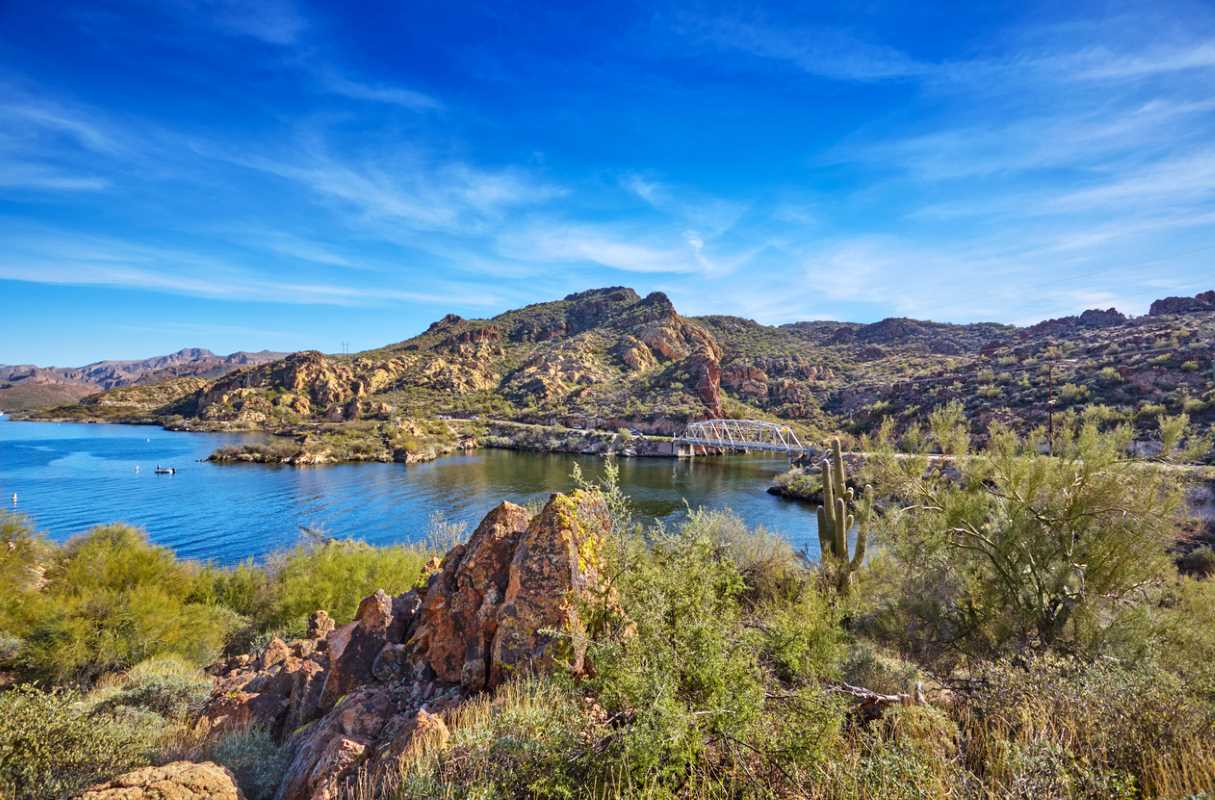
column 529, row 740
column 802, row 639
column 52, row 746
column 797, row 482
column 168, row 686
column 257, row 762
column 680, row 669
column 110, row 600
column 949, row 428
column 1024, row 549
column 1115, row 731
column 333, row 575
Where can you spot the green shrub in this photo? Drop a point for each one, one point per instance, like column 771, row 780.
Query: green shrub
column 800, row 483
column 877, row 670
column 110, row 600
column 51, row 746
column 677, row 668
column 1116, row 729
column 1199, row 562
column 255, row 760
column 1024, row 549
column 334, row 576
column 530, row 739
column 169, row 686
column 802, row 639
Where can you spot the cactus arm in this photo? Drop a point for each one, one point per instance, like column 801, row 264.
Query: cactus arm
column 823, row 532
column 840, row 530
column 859, row 557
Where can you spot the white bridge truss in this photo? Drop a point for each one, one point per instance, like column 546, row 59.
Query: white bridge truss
column 742, row 434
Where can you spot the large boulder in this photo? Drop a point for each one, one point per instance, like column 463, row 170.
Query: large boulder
column 555, row 563
column 180, row 780
column 459, row 615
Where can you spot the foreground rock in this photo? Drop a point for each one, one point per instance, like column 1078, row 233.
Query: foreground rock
column 362, row 697
column 180, row 780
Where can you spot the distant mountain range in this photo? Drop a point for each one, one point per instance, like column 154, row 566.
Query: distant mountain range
column 24, row 386
column 609, row 358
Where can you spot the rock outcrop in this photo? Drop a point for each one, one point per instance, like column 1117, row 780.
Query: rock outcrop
column 354, row 699
column 1203, row 301
column 180, row 780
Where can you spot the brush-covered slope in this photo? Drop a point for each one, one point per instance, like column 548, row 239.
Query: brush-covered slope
column 608, row 358
column 606, row 355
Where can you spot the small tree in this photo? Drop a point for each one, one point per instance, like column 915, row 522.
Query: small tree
column 1022, row 548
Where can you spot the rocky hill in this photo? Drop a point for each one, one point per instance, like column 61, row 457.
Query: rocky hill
column 26, row 386
column 608, row 359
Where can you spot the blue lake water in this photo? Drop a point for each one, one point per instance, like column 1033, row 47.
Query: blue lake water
column 69, row 477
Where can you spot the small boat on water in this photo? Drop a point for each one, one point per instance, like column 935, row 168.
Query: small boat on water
column 165, row 470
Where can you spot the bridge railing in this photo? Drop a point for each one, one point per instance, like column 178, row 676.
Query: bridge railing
column 742, row 434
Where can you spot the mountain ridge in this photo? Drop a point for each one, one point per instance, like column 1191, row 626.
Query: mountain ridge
column 610, row 358
column 21, row 384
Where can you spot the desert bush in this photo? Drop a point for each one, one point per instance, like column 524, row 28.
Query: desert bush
column 798, row 482
column 1199, row 562
column 1115, row 731
column 333, row 575
column 530, row 739
column 867, row 665
column 257, row 762
column 51, row 745
column 169, row 686
column 110, row 600
column 443, row 534
column 1023, row 549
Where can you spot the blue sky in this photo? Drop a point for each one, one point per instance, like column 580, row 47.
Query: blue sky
column 284, row 175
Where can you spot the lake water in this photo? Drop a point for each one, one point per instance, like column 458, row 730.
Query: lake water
column 69, row 477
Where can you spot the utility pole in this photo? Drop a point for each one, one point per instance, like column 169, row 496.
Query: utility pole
column 345, row 348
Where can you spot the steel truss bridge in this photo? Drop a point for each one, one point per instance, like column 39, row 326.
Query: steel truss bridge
column 742, row 434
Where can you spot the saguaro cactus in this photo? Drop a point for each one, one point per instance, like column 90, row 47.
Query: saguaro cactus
column 836, row 517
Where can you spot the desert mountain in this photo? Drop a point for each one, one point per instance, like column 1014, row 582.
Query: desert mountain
column 28, row 386
column 609, row 358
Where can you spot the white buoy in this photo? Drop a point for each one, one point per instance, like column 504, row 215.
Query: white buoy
column 14, row 498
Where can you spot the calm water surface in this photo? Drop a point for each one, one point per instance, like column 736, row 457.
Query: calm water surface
column 69, row 477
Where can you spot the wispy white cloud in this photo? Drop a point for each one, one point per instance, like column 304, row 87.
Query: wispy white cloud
column 378, row 93
column 43, row 178
column 65, row 258
column 23, row 118
column 574, row 243
column 408, row 188
column 827, row 52
column 276, row 22
column 1103, row 64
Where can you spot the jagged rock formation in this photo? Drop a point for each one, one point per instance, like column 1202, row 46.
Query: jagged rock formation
column 358, row 697
column 1064, row 326
column 179, row 780
column 1203, row 301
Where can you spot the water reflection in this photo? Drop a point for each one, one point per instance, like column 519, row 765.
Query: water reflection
column 70, row 476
